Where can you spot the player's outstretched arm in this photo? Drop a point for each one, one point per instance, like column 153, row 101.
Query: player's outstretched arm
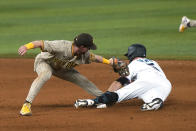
column 103, row 60
column 34, row 44
column 117, row 84
column 114, row 86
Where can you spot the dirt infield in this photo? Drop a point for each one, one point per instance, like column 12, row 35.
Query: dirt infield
column 53, row 107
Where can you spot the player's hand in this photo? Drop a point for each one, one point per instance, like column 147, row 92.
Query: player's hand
column 22, row 50
column 111, row 61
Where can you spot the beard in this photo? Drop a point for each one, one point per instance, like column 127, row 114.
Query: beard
column 79, row 53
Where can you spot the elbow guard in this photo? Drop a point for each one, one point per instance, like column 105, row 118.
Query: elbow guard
column 123, row 81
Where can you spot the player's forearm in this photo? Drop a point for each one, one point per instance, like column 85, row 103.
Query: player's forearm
column 115, row 86
column 101, row 59
column 34, row 44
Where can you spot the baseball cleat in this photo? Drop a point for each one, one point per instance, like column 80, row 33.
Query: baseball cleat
column 154, row 105
column 101, row 105
column 184, row 24
column 83, row 103
column 26, row 109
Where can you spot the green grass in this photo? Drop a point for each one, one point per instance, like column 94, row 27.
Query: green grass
column 115, row 24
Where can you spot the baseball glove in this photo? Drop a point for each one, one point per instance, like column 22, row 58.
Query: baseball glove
column 120, row 67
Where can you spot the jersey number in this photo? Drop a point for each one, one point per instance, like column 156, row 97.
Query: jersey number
column 150, row 63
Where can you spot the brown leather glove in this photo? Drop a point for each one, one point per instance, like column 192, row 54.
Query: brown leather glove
column 120, row 67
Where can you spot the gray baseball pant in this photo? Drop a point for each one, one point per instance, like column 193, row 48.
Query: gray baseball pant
column 45, row 71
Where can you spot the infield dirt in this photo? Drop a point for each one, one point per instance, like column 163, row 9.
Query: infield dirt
column 53, row 107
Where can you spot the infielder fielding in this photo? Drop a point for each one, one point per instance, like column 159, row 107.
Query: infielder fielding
column 186, row 23
column 145, row 81
column 58, row 58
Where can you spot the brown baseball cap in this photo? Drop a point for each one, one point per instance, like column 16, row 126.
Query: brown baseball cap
column 86, row 40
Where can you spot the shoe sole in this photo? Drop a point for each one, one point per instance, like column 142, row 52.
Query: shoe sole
column 28, row 114
column 182, row 28
column 101, row 106
column 76, row 105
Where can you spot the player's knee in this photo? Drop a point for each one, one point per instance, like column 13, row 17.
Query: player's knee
column 45, row 75
column 108, row 98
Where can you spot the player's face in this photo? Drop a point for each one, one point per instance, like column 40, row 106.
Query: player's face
column 82, row 50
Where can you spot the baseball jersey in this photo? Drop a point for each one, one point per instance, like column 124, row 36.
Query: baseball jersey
column 59, row 54
column 143, row 68
column 148, row 82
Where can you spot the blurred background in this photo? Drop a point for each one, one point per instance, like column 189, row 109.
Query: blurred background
column 114, row 24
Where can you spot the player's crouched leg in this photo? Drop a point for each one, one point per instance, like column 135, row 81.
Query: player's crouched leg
column 156, row 104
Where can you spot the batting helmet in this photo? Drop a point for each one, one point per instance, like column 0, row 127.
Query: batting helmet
column 86, row 40
column 136, row 50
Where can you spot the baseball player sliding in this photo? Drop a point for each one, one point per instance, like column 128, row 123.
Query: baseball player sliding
column 145, row 81
column 186, row 23
column 58, row 58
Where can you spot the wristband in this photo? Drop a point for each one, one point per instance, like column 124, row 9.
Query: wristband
column 106, row 61
column 29, row 46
